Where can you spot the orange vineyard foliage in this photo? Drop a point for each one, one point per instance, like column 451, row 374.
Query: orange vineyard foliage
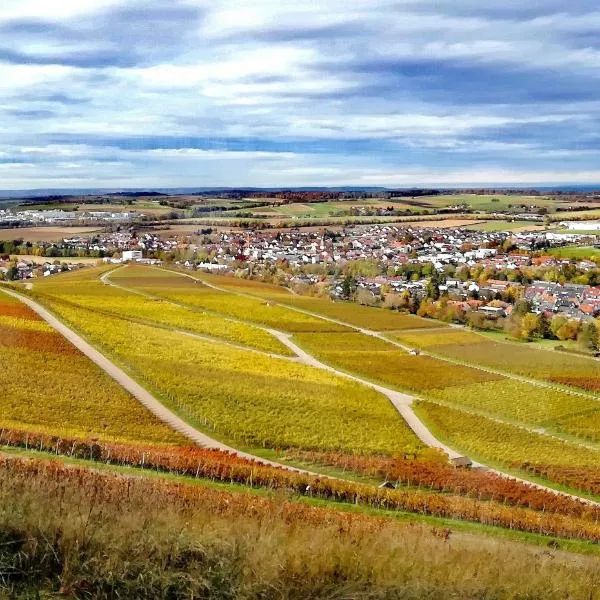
column 443, row 477
column 556, row 515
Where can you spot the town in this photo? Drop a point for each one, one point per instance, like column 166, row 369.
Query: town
column 470, row 270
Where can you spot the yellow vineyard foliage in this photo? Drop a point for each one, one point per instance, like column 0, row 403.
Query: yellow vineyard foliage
column 50, row 387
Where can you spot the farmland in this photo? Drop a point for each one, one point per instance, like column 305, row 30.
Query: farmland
column 253, row 399
column 44, row 234
column 576, row 252
column 119, row 302
column 42, row 387
column 515, row 226
column 472, row 348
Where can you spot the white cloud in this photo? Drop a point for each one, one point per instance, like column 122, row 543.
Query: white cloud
column 287, row 75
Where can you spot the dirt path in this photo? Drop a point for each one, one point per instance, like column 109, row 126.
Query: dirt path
column 137, row 391
column 401, row 401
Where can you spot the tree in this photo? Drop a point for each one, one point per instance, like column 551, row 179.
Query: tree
column 13, row 273
column 366, row 297
column 530, row 325
column 522, row 307
column 433, row 288
column 348, row 286
column 587, row 339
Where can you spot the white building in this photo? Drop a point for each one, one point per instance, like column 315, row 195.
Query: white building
column 582, row 225
column 132, row 255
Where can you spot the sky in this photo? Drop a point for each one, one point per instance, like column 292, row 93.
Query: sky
column 272, row 93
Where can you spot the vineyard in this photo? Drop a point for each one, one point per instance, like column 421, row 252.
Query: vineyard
column 521, row 359
column 49, row 387
column 513, row 447
column 377, row 319
column 254, row 399
column 121, row 303
column 451, row 384
column 515, row 400
column 512, row 506
column 177, row 288
column 378, row 360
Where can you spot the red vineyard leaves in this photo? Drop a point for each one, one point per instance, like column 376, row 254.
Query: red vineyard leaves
column 576, row 520
column 41, row 341
column 586, row 479
column 591, row 384
column 18, row 311
column 443, row 477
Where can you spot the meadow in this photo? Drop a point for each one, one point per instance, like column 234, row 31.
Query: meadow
column 513, row 225
column 576, row 252
column 490, row 202
column 42, row 388
column 115, row 536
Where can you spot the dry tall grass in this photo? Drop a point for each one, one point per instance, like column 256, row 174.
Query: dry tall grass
column 82, row 534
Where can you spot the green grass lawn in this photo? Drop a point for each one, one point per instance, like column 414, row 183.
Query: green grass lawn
column 490, row 203
column 579, row 252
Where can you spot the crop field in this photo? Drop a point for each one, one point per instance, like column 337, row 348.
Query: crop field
column 48, row 386
column 44, row 234
column 256, row 400
column 515, row 226
column 489, row 203
column 184, row 290
column 260, row 401
column 329, row 209
column 278, row 544
column 573, row 370
column 377, row 360
column 119, row 302
column 506, row 444
column 377, row 319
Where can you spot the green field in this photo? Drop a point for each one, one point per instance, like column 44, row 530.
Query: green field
column 491, row 203
column 576, row 252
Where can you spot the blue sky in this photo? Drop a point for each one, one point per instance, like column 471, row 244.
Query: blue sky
column 160, row 93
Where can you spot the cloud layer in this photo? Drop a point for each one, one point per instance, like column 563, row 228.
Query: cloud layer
column 144, row 93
